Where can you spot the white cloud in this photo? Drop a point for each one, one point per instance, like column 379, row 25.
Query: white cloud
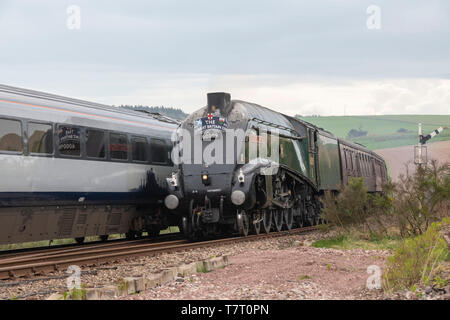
column 298, row 57
column 285, row 93
column 335, row 96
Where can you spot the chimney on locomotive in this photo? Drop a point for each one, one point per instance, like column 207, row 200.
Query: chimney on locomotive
column 219, row 101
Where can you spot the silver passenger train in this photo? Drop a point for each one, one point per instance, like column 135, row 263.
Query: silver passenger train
column 70, row 168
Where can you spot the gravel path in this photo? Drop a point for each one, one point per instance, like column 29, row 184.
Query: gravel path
column 42, row 287
column 279, row 268
column 299, row 272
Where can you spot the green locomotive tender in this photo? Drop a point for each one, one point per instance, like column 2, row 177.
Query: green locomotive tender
column 245, row 168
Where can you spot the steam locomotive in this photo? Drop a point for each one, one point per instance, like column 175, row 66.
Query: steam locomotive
column 245, row 168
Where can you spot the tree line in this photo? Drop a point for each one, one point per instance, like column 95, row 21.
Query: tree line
column 174, row 113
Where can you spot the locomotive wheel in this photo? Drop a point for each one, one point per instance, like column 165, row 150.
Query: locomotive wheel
column 79, row 240
column 153, row 231
column 266, row 221
column 256, row 225
column 277, row 219
column 243, row 223
column 130, row 235
column 185, row 227
column 288, row 218
column 310, row 216
column 299, row 220
column 104, row 237
column 195, row 218
column 195, row 222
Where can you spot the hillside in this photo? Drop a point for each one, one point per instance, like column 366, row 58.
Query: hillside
column 380, row 132
column 400, row 158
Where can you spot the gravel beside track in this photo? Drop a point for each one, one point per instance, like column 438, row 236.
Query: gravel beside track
column 283, row 267
column 116, row 269
column 28, row 264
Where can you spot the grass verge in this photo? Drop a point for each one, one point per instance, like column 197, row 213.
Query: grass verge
column 345, row 242
column 417, row 260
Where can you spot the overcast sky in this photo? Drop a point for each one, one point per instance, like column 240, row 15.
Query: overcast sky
column 298, row 57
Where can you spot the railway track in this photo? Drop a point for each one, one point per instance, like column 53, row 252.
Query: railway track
column 46, row 261
column 75, row 246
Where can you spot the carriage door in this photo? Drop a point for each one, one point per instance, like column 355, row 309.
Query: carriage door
column 312, row 137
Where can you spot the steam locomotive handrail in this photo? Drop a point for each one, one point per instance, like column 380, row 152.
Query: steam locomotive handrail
column 271, row 124
column 282, row 135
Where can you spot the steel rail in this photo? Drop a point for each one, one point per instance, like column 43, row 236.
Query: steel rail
column 6, row 254
column 10, row 268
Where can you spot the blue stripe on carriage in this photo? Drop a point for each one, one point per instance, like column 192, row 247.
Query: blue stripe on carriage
column 8, row 199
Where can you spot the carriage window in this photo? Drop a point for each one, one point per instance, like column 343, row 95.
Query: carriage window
column 353, row 160
column 311, row 139
column 159, row 152
column 10, row 135
column 118, row 146
column 95, row 144
column 40, row 138
column 359, row 160
column 69, row 141
column 363, row 164
column 349, row 160
column 346, row 158
column 139, row 149
column 366, row 165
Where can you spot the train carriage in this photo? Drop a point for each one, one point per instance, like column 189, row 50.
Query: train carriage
column 357, row 161
column 72, row 168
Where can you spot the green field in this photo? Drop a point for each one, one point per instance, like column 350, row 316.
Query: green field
column 383, row 131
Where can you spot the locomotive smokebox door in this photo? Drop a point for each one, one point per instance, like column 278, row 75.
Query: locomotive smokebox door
column 219, row 101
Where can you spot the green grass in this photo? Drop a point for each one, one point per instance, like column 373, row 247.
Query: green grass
column 382, row 130
column 171, row 229
column 348, row 242
column 202, row 268
column 418, row 260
